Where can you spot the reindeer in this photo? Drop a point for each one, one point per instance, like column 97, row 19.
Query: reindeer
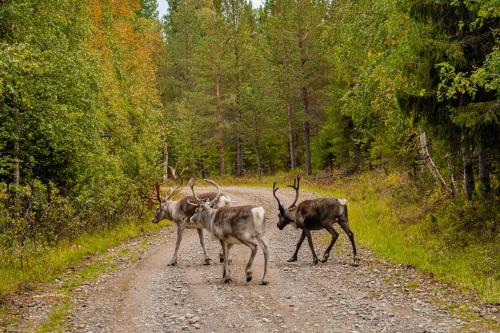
column 180, row 212
column 315, row 214
column 233, row 225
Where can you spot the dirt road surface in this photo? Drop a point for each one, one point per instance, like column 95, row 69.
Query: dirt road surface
column 150, row 296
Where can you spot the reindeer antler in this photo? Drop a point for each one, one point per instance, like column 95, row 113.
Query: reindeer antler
column 275, row 189
column 176, row 176
column 192, row 181
column 146, row 197
column 176, row 187
column 296, row 187
column 218, row 190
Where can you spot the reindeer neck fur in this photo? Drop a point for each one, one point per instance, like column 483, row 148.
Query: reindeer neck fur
column 170, row 210
column 291, row 214
column 207, row 218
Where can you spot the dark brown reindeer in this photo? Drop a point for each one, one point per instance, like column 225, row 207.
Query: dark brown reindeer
column 180, row 212
column 315, row 214
column 233, row 225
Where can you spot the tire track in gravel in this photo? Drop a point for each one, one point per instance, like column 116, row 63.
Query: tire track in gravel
column 150, row 296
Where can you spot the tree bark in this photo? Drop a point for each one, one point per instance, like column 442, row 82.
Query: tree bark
column 306, row 102
column 220, row 124
column 257, row 144
column 165, row 162
column 469, row 183
column 239, row 157
column 329, row 164
column 293, row 161
column 239, row 143
column 17, row 149
column 239, row 150
column 424, row 151
column 307, row 142
column 187, row 49
column 484, row 166
column 453, row 183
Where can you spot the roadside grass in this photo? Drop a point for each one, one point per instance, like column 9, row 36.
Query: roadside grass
column 56, row 321
column 414, row 226
column 50, row 262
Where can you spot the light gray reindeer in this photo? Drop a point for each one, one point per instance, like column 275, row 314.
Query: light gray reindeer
column 180, row 212
column 315, row 214
column 233, row 225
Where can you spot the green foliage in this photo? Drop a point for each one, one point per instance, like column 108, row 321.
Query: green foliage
column 149, row 9
column 80, row 120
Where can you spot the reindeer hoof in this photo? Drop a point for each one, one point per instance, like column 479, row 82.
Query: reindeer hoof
column 221, row 258
column 315, row 261
column 292, row 259
column 249, row 276
column 173, row 263
column 208, row 261
column 324, row 259
column 355, row 263
column 264, row 283
column 228, row 280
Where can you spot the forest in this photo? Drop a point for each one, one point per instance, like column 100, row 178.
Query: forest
column 97, row 96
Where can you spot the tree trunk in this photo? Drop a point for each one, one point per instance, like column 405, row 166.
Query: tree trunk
column 329, row 164
column 453, row 183
column 257, row 144
column 305, row 100
column 239, row 158
column 293, row 161
column 484, row 166
column 165, row 162
column 307, row 142
column 187, row 49
column 239, row 151
column 469, row 183
column 201, row 168
column 424, row 151
column 220, row 124
column 17, row 149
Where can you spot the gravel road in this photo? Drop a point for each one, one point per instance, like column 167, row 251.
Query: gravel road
column 150, row 296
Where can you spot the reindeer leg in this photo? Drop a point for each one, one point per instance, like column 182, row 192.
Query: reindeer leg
column 221, row 256
column 299, row 244
column 335, row 235
column 202, row 242
column 263, row 244
column 253, row 248
column 345, row 225
column 227, row 272
column 180, row 231
column 311, row 245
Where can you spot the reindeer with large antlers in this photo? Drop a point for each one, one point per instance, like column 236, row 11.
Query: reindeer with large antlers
column 315, row 214
column 180, row 211
column 233, row 225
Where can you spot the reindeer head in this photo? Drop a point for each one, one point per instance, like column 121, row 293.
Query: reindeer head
column 163, row 211
column 287, row 216
column 202, row 206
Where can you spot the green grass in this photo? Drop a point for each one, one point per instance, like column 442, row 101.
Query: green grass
column 56, row 321
column 395, row 221
column 51, row 262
